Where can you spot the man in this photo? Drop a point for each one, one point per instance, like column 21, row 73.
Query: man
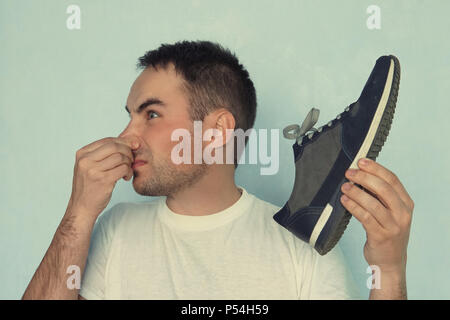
column 205, row 237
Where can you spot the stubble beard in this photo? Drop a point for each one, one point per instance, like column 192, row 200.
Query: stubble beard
column 167, row 178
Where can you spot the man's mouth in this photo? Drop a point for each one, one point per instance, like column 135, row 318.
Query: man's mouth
column 138, row 163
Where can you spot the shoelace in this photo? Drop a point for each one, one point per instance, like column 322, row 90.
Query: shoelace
column 299, row 132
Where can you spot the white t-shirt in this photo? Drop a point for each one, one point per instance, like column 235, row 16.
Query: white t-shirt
column 147, row 251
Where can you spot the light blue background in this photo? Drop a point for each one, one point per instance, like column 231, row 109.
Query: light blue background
column 62, row 89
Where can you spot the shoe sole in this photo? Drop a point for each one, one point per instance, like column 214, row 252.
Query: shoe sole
column 370, row 148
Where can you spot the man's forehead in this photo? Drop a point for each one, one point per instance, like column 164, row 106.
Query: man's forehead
column 159, row 78
column 161, row 82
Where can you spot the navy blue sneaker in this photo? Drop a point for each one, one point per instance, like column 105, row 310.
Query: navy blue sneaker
column 314, row 212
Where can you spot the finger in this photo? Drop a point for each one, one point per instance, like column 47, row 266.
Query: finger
column 388, row 176
column 96, row 144
column 108, row 149
column 368, row 221
column 118, row 172
column 384, row 192
column 129, row 174
column 369, row 204
column 113, row 161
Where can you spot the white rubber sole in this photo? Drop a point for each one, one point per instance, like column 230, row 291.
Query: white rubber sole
column 362, row 153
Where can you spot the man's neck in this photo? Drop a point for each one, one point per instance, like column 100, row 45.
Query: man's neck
column 214, row 192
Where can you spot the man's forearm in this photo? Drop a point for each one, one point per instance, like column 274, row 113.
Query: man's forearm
column 70, row 246
column 392, row 287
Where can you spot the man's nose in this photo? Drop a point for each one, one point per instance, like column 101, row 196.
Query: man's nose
column 134, row 140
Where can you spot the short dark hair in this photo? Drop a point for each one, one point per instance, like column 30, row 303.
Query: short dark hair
column 214, row 78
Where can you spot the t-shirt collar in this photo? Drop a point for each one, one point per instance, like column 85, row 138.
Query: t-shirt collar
column 204, row 222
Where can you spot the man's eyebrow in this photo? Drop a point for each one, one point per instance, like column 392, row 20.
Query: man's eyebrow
column 146, row 103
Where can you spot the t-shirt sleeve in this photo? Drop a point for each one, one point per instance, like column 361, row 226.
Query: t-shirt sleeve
column 327, row 277
column 94, row 276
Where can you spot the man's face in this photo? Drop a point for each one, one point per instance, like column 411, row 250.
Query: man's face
column 153, row 127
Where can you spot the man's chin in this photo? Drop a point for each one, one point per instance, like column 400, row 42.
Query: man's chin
column 142, row 187
column 166, row 180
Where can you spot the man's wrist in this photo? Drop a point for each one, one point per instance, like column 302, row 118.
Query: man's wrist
column 392, row 286
column 394, row 277
column 78, row 221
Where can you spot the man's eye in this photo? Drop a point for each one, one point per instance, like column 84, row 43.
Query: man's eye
column 152, row 112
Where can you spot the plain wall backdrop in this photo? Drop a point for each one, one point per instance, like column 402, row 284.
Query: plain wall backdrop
column 62, row 89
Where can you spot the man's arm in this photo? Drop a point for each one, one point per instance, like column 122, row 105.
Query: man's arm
column 98, row 167
column 70, row 246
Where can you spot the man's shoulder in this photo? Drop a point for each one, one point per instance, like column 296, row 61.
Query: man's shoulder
column 265, row 205
column 266, row 210
column 122, row 212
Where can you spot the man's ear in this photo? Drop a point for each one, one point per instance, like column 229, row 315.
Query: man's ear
column 224, row 124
